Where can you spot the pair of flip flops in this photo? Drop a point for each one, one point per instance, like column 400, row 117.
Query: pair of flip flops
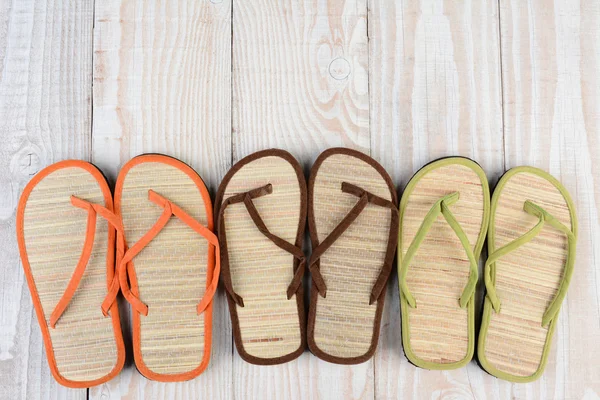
column 531, row 227
column 261, row 207
column 152, row 241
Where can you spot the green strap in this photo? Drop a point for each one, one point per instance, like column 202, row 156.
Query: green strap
column 544, row 217
column 440, row 207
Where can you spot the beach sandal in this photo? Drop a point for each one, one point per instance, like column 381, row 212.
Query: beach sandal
column 261, row 209
column 531, row 254
column 444, row 215
column 353, row 224
column 66, row 237
column 166, row 265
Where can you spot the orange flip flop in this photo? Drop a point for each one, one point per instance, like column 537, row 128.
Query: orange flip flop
column 168, row 265
column 66, row 237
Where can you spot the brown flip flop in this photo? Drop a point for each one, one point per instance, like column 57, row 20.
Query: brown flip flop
column 166, row 265
column 66, row 239
column 353, row 223
column 261, row 211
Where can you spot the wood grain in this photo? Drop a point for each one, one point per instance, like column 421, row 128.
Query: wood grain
column 45, row 116
column 162, row 83
column 300, row 83
column 300, row 76
column 550, row 59
column 435, row 92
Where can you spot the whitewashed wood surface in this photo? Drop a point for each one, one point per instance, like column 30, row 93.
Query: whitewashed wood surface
column 507, row 83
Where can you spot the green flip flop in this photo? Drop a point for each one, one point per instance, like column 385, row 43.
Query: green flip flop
column 531, row 246
column 444, row 215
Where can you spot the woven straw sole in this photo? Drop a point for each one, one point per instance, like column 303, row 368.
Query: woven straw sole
column 438, row 333
column 513, row 344
column 343, row 327
column 85, row 348
column 172, row 342
column 269, row 329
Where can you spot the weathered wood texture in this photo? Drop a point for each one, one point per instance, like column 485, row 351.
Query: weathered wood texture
column 507, row 83
column 45, row 116
column 162, row 83
column 300, row 76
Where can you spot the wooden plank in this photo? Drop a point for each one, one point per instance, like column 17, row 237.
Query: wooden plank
column 45, row 106
column 162, row 83
column 435, row 92
column 550, row 63
column 300, row 76
column 300, row 83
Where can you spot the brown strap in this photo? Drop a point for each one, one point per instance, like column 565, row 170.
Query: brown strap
column 364, row 199
column 299, row 258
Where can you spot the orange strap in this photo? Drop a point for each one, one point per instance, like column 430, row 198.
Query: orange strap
column 93, row 210
column 125, row 267
column 124, row 272
column 202, row 231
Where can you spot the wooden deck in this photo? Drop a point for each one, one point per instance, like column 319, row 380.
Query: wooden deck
column 507, row 83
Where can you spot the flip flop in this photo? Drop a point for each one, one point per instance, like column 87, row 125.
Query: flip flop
column 531, row 246
column 444, row 214
column 166, row 265
column 66, row 239
column 353, row 223
column 261, row 209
